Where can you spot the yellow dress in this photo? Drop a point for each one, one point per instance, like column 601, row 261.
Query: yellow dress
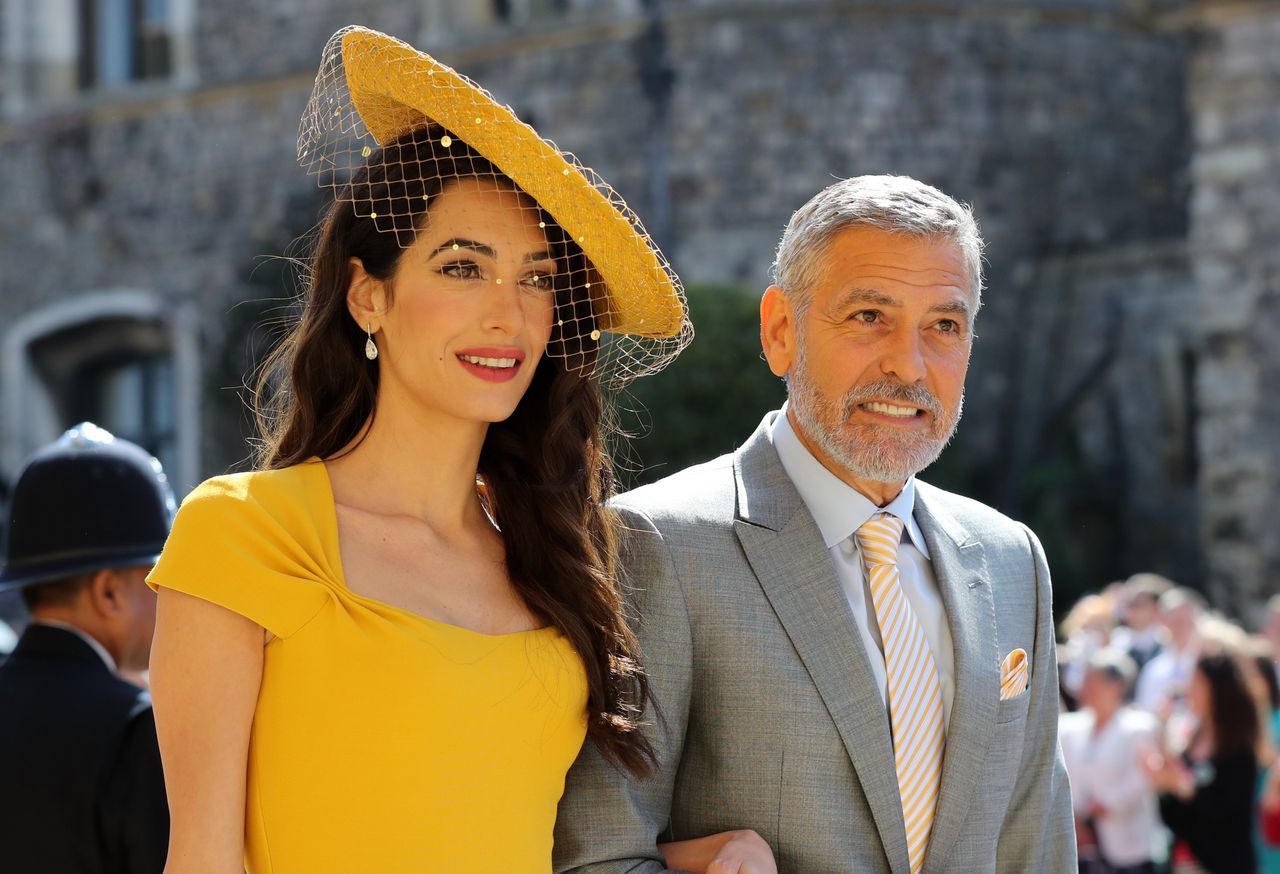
column 382, row 741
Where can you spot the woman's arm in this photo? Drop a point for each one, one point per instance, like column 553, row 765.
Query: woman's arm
column 736, row 852
column 1271, row 789
column 206, row 668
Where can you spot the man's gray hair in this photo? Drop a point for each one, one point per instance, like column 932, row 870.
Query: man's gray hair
column 898, row 204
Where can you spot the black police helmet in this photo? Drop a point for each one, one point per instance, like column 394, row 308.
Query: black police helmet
column 87, row 501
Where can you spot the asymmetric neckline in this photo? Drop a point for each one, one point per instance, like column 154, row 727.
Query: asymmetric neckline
column 340, row 573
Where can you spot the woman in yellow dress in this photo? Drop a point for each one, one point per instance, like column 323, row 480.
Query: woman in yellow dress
column 382, row 649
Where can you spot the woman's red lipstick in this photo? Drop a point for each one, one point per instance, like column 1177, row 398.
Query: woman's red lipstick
column 492, row 363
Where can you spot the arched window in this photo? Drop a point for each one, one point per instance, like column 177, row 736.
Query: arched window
column 125, row 360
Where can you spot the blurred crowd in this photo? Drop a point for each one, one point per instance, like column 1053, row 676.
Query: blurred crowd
column 1170, row 729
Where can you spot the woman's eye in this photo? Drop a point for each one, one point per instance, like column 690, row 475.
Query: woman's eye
column 540, row 281
column 462, row 270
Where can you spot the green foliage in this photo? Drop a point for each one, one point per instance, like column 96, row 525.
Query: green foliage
column 710, row 400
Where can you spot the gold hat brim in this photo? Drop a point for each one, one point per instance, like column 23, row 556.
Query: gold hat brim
column 396, row 88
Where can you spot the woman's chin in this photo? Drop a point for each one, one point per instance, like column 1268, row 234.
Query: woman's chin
column 490, row 414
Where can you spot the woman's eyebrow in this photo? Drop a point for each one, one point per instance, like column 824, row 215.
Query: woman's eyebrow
column 487, row 251
column 461, row 243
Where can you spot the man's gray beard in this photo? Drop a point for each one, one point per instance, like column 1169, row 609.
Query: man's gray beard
column 868, row 451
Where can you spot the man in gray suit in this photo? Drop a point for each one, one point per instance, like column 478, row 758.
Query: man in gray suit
column 850, row 664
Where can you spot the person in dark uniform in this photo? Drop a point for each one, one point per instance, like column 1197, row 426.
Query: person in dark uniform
column 84, row 791
column 8, row 638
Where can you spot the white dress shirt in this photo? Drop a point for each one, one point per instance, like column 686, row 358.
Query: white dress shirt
column 840, row 510
column 1106, row 767
column 1165, row 677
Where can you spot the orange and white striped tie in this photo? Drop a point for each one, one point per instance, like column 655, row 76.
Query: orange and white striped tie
column 914, row 692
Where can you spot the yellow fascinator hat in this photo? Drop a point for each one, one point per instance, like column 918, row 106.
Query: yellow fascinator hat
column 373, row 90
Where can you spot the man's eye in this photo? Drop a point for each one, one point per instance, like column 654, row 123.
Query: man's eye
column 461, row 270
column 949, row 326
column 866, row 317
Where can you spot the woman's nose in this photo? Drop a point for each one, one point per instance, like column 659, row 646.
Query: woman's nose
column 506, row 310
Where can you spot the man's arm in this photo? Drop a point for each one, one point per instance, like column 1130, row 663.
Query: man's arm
column 1039, row 830
column 134, row 812
column 610, row 822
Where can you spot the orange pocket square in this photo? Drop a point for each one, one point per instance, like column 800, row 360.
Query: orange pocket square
column 1013, row 674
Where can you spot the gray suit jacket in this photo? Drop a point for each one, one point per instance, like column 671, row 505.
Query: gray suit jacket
column 768, row 716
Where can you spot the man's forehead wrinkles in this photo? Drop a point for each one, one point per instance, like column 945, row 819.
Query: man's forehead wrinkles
column 867, row 282
column 892, row 270
column 895, row 260
column 905, row 268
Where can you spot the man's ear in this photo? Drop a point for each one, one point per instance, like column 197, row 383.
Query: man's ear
column 778, row 330
column 366, row 297
column 106, row 592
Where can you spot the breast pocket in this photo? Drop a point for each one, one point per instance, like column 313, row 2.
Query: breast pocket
column 1004, row 756
column 1013, row 709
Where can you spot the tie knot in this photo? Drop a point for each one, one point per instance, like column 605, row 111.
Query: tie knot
column 878, row 538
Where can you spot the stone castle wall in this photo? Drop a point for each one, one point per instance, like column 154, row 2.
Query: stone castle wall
column 1235, row 240
column 1117, row 162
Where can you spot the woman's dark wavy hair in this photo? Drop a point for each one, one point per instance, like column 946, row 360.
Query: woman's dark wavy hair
column 545, row 472
column 1265, row 665
column 1231, row 709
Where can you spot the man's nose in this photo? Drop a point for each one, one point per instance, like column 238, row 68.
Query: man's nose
column 904, row 356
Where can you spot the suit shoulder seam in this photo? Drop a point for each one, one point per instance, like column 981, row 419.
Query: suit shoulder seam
column 675, row 570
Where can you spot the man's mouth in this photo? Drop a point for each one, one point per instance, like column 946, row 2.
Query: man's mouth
column 893, row 410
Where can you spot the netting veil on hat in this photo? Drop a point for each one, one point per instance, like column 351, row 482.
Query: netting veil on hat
column 388, row 127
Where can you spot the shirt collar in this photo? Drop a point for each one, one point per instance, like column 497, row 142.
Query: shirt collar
column 838, row 508
column 83, row 635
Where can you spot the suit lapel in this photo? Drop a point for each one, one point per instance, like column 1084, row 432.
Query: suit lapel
column 960, row 568
column 790, row 560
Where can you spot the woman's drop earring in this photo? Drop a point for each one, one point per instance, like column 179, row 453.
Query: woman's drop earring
column 370, row 348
